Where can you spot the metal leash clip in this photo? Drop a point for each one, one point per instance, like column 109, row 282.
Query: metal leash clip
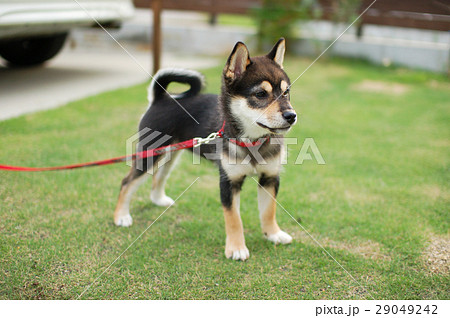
column 200, row 141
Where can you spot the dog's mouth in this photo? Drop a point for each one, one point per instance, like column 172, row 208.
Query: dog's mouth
column 275, row 130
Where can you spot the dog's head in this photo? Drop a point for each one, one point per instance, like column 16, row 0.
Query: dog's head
column 255, row 92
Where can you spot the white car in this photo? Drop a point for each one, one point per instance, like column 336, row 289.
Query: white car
column 34, row 31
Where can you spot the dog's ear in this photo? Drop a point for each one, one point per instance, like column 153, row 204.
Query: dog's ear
column 238, row 62
column 277, row 52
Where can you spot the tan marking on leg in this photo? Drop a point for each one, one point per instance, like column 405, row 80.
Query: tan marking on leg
column 119, row 211
column 235, row 242
column 122, row 215
column 267, row 214
column 267, row 210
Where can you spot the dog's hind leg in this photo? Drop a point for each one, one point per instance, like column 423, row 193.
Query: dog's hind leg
column 130, row 184
column 164, row 167
column 140, row 171
column 267, row 192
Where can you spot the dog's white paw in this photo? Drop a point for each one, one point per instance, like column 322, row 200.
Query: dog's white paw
column 280, row 237
column 125, row 220
column 237, row 254
column 162, row 201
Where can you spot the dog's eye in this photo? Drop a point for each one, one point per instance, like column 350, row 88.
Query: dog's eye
column 261, row 94
column 286, row 93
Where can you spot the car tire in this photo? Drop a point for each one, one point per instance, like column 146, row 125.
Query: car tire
column 32, row 51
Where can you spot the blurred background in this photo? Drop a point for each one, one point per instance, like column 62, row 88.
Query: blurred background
column 81, row 59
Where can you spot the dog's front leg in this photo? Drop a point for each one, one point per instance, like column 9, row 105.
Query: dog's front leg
column 235, row 242
column 267, row 204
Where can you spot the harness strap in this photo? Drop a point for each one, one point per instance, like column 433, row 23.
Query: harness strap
column 243, row 144
column 249, row 144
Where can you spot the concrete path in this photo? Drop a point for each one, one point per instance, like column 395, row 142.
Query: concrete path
column 78, row 73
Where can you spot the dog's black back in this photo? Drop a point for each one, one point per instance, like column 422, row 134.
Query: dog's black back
column 183, row 116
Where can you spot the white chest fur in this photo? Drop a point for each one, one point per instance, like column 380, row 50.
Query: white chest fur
column 238, row 167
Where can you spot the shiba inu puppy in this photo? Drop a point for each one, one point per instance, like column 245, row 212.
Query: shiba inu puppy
column 252, row 113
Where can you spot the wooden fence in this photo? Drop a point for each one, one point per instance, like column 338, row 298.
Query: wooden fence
column 422, row 14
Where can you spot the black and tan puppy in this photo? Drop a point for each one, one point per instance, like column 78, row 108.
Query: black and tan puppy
column 255, row 110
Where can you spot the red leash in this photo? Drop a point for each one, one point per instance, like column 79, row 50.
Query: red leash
column 195, row 142
column 140, row 155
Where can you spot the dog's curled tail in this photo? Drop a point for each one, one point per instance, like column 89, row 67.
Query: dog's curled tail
column 162, row 79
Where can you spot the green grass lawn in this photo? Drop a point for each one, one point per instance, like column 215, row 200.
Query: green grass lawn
column 380, row 205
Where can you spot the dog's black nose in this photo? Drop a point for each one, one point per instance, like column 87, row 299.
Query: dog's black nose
column 290, row 117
